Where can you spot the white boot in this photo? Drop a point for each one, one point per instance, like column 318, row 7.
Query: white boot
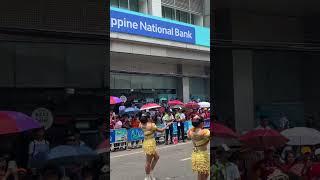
column 151, row 176
column 148, row 177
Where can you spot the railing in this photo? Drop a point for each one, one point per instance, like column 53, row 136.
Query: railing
column 120, row 138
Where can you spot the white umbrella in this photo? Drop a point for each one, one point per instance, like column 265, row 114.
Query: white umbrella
column 302, row 136
column 204, row 104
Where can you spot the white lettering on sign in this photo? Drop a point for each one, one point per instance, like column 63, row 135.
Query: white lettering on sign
column 43, row 116
column 124, row 23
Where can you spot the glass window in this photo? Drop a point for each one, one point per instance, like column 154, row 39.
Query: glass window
column 114, row 3
column 134, row 5
column 183, row 16
column 167, row 12
column 124, row 4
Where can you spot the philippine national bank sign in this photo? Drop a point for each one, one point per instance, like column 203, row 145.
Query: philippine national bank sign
column 129, row 22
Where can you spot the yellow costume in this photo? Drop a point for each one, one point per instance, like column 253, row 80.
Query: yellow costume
column 200, row 156
column 149, row 143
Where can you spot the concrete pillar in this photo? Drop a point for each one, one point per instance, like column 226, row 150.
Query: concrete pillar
column 155, row 8
column 186, row 89
column 243, row 89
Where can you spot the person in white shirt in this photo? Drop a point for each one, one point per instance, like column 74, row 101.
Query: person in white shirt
column 284, row 122
column 180, row 118
column 168, row 118
column 38, row 147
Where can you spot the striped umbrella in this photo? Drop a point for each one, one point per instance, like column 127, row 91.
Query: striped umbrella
column 15, row 122
column 115, row 100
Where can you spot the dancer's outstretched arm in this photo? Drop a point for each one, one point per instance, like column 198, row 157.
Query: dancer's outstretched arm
column 163, row 129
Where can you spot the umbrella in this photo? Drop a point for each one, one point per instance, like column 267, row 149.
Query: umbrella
column 163, row 99
column 149, row 106
column 302, row 136
column 115, row 100
column 192, row 105
column 204, row 104
column 131, row 110
column 15, row 122
column 263, row 138
column 64, row 154
column 220, row 130
column 103, row 147
column 175, row 102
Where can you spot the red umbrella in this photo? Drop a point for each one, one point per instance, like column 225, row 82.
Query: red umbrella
column 103, row 147
column 220, row 130
column 15, row 122
column 150, row 106
column 115, row 100
column 263, row 138
column 175, row 102
column 192, row 105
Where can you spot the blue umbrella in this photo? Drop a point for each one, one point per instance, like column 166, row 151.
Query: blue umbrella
column 64, row 154
column 131, row 110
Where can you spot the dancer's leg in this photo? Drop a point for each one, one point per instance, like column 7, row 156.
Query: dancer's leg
column 154, row 160
column 148, row 164
column 204, row 176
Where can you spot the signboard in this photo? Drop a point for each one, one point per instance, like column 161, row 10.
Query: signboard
column 135, row 134
column 120, row 135
column 129, row 22
column 112, row 136
column 43, row 116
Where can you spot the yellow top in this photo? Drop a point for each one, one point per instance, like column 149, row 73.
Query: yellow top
column 149, row 130
column 200, row 138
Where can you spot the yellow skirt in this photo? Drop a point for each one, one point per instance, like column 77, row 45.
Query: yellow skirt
column 149, row 146
column 200, row 162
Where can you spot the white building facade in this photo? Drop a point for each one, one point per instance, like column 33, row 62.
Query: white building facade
column 160, row 49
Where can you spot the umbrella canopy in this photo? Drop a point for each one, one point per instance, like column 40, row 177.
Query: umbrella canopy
column 64, row 154
column 192, row 105
column 204, row 104
column 175, row 102
column 302, row 136
column 149, row 106
column 163, row 99
column 15, row 122
column 263, row 139
column 115, row 100
column 103, row 147
column 131, row 110
column 220, row 130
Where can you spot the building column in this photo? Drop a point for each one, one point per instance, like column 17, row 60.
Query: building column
column 186, row 89
column 155, row 8
column 243, row 89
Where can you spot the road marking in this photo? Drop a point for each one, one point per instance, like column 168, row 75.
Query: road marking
column 185, row 159
column 165, row 147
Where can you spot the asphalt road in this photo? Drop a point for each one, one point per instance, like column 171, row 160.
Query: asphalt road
column 174, row 163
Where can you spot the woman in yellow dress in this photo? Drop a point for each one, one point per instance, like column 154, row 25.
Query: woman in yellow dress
column 149, row 144
column 200, row 156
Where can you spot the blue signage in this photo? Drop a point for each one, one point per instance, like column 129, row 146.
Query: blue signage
column 112, row 136
column 135, row 134
column 120, row 135
column 150, row 27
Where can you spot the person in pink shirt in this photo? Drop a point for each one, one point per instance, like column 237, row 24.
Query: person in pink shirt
column 118, row 124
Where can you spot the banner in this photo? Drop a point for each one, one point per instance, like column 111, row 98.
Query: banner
column 120, row 135
column 129, row 22
column 135, row 134
column 112, row 136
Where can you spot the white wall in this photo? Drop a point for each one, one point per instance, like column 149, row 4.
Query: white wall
column 155, row 7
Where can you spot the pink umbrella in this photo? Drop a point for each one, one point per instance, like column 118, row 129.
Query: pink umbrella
column 115, row 100
column 263, row 139
column 192, row 105
column 15, row 122
column 220, row 130
column 175, row 102
column 149, row 106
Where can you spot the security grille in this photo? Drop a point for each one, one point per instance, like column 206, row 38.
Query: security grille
column 192, row 6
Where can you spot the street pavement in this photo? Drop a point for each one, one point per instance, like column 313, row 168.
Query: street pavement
column 174, row 163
